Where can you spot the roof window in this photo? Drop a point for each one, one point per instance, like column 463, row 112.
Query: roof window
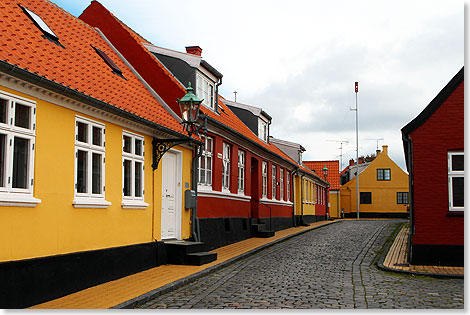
column 48, row 33
column 109, row 62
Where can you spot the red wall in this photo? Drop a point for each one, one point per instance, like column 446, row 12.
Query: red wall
column 442, row 132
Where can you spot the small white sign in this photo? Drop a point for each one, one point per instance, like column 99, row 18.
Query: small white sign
column 219, row 155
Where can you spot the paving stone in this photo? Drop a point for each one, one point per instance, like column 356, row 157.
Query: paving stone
column 331, row 267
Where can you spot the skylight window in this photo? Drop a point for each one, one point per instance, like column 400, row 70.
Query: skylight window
column 40, row 24
column 108, row 61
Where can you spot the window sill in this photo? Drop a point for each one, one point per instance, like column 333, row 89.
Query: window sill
column 275, row 202
column 134, row 204
column 455, row 213
column 222, row 194
column 90, row 203
column 12, row 200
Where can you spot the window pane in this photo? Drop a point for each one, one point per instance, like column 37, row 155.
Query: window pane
column 82, row 135
column 138, row 147
column 457, row 191
column 96, row 174
column 366, row 198
column 209, row 177
column 138, row 179
column 457, row 162
column 380, row 175
column 22, row 116
column 3, row 148
column 20, row 163
column 127, row 144
column 127, row 177
column 97, row 136
column 82, row 180
column 387, row 174
column 3, row 111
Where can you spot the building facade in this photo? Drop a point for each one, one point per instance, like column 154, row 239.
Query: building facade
column 383, row 190
column 434, row 144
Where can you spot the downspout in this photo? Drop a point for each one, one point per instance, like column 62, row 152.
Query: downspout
column 293, row 194
column 195, row 222
column 411, row 232
column 217, row 95
column 302, row 199
column 269, row 124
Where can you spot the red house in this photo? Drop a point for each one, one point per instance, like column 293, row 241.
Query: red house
column 244, row 182
column 434, row 154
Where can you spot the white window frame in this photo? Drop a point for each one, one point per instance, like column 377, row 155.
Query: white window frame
column 206, row 91
column 453, row 174
column 262, row 129
column 226, row 167
column 241, row 171
column 273, row 182
column 281, row 184
column 287, row 186
column 264, row 175
column 10, row 196
column 208, row 157
column 89, row 199
column 132, row 201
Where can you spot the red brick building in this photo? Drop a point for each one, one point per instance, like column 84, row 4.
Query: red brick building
column 434, row 154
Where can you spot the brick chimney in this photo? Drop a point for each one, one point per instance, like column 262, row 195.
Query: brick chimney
column 385, row 149
column 194, row 50
column 361, row 160
column 351, row 162
column 377, row 152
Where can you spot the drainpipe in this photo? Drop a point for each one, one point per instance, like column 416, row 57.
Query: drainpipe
column 269, row 124
column 293, row 194
column 195, row 222
column 302, row 199
column 217, row 95
column 411, row 232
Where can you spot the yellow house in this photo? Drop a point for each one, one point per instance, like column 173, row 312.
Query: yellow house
column 383, row 189
column 80, row 203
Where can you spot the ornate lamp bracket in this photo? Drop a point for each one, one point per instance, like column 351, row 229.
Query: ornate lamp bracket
column 161, row 146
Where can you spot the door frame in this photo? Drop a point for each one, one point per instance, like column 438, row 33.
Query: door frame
column 178, row 193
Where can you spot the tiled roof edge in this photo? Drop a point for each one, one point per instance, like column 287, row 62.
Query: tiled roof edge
column 41, row 81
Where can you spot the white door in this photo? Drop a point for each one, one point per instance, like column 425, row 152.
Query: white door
column 169, row 196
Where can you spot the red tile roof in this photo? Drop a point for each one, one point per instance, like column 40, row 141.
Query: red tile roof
column 76, row 66
column 333, row 170
column 163, row 81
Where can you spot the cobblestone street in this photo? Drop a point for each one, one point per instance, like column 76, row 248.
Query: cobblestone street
column 330, row 267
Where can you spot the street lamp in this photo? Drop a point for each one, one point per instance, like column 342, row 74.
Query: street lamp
column 189, row 106
column 325, row 172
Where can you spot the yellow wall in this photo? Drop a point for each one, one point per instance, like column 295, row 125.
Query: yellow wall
column 335, row 204
column 56, row 227
column 308, row 207
column 384, row 193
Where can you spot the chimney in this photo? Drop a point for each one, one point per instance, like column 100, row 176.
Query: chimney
column 351, row 162
column 194, row 50
column 361, row 160
column 377, row 152
column 385, row 149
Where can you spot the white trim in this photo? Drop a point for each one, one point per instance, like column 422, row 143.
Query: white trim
column 275, row 202
column 133, row 158
column 134, row 204
column 178, row 193
column 223, row 195
column 453, row 174
column 18, row 200
column 98, row 203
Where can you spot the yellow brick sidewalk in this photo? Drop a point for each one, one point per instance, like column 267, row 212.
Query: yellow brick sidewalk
column 397, row 258
column 115, row 292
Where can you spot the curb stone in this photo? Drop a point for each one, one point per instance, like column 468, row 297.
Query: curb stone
column 388, row 245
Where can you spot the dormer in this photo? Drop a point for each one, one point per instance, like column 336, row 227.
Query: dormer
column 190, row 67
column 255, row 118
column 293, row 150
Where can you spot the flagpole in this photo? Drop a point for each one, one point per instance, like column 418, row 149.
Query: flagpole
column 357, row 152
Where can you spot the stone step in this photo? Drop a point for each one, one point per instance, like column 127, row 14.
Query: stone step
column 264, row 234
column 200, row 258
column 176, row 251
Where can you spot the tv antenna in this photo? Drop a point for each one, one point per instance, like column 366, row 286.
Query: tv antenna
column 376, row 139
column 341, row 148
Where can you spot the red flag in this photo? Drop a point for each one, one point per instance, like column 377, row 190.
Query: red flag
column 356, row 86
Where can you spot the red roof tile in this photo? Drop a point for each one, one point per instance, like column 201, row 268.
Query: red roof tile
column 333, row 170
column 96, row 14
column 76, row 66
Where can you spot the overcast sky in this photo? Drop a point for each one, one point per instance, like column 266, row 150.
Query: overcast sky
column 298, row 60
